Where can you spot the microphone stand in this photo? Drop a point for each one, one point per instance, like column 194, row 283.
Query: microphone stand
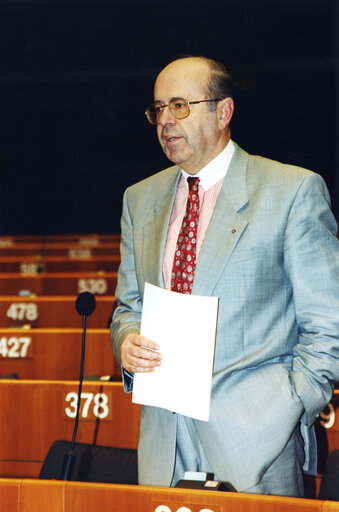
column 70, row 456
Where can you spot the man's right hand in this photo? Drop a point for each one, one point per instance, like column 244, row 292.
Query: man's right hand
column 139, row 354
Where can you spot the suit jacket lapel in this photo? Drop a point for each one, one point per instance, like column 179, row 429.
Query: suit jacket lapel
column 226, row 226
column 155, row 231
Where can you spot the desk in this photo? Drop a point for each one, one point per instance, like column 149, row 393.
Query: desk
column 327, row 430
column 57, row 496
column 34, row 414
column 53, row 311
column 56, row 353
column 59, row 249
column 58, row 283
column 32, row 265
column 89, row 239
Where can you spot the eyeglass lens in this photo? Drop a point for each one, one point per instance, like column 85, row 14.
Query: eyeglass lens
column 179, row 108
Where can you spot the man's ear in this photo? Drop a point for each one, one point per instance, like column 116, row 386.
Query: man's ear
column 225, row 111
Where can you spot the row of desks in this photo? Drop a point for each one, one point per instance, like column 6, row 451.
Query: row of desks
column 52, row 312
column 56, row 353
column 40, row 264
column 65, row 264
column 58, row 283
column 40, row 344
column 59, row 249
column 59, row 253
column 91, row 239
column 36, row 495
column 34, row 414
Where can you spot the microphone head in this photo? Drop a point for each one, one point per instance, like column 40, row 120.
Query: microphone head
column 85, row 303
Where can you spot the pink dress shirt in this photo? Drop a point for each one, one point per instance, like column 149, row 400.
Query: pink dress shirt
column 211, row 180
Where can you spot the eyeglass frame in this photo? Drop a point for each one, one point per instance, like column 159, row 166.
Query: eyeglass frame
column 188, row 103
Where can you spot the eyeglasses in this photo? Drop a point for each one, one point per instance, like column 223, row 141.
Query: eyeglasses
column 179, row 108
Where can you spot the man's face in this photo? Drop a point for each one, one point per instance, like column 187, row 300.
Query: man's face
column 194, row 141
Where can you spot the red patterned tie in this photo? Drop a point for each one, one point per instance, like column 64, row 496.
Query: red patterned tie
column 185, row 252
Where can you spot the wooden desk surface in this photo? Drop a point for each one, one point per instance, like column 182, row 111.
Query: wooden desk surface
column 59, row 249
column 88, row 239
column 56, row 353
column 58, row 283
column 57, row 496
column 34, row 414
column 53, row 311
column 31, row 265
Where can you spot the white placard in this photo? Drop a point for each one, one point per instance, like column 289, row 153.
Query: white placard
column 184, row 327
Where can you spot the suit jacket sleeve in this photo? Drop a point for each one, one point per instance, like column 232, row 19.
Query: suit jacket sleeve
column 311, row 259
column 127, row 315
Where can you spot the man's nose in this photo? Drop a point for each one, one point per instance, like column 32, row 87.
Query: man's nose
column 165, row 117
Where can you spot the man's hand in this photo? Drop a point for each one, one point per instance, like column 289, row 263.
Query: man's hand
column 139, row 354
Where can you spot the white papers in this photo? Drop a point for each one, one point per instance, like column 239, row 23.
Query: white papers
column 184, row 327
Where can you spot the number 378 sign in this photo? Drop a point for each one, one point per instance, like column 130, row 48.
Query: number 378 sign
column 93, row 406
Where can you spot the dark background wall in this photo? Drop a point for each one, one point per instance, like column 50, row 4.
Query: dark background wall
column 75, row 77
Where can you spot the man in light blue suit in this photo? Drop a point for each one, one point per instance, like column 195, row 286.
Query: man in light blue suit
column 268, row 249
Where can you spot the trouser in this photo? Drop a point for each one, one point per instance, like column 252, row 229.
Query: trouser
column 284, row 477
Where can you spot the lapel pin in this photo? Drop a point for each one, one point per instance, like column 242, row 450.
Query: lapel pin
column 234, row 230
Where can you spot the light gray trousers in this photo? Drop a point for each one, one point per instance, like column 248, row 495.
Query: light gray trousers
column 283, row 478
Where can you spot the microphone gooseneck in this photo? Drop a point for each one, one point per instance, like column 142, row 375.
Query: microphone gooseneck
column 85, row 305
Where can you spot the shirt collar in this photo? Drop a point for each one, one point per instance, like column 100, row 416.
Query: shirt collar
column 216, row 169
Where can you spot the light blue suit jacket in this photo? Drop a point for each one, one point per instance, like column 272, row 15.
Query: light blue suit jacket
column 272, row 257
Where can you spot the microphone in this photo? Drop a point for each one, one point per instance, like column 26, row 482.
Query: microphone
column 85, row 305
